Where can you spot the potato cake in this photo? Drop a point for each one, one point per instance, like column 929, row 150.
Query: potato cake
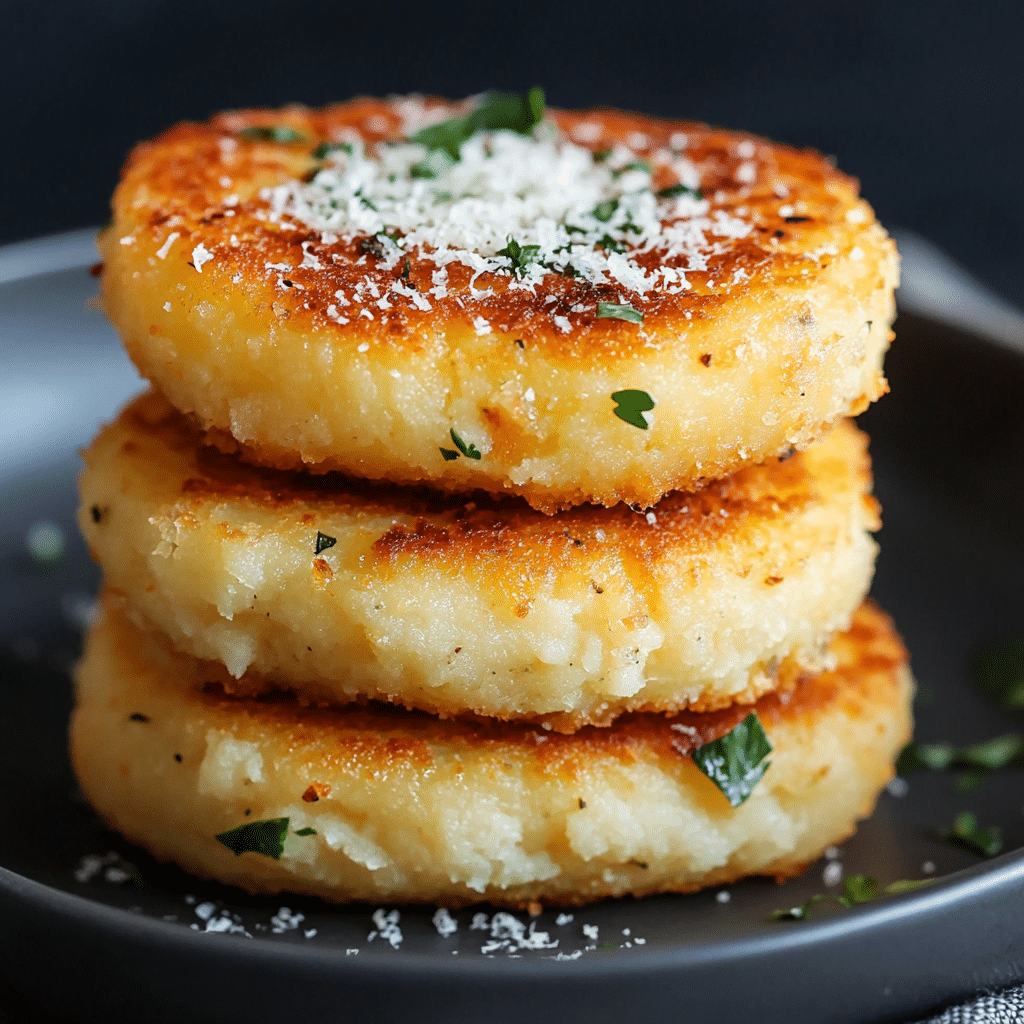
column 383, row 804
column 340, row 589
column 590, row 307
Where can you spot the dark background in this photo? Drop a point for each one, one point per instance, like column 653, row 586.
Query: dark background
column 922, row 101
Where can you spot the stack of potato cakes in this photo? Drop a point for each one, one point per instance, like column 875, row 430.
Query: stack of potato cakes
column 494, row 529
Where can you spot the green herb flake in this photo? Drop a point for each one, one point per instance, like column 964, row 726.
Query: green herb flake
column 903, row 885
column 799, row 912
column 630, row 405
column 613, row 311
column 611, row 244
column 448, row 454
column 991, row 755
column 633, row 165
column 735, row 763
column 858, row 889
column 679, row 189
column 436, row 163
column 325, row 149
column 605, row 211
column 968, row 782
column 368, row 203
column 985, row 756
column 497, row 110
column 999, row 672
column 469, row 450
column 915, row 757
column 323, row 542
column 263, row 837
column 307, row 831
column 274, row 133
column 520, row 256
column 966, row 833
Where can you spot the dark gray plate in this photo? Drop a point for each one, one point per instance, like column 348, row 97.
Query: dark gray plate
column 948, row 451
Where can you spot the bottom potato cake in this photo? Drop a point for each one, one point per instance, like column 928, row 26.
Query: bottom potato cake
column 408, row 807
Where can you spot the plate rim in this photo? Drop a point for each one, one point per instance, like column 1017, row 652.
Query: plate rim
column 987, row 879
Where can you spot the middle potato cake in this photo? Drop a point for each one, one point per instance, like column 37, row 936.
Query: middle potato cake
column 344, row 590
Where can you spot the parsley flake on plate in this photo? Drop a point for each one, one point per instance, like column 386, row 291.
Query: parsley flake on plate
column 856, row 889
column 263, row 837
column 613, row 311
column 323, row 542
column 999, row 672
column 273, row 133
column 631, row 404
column 966, row 833
column 987, row 755
column 307, row 831
column 735, row 762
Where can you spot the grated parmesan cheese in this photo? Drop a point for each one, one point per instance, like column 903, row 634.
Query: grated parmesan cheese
column 161, row 253
column 511, row 935
column 444, row 922
column 540, row 190
column 386, row 927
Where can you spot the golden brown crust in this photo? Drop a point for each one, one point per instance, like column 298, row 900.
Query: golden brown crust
column 175, row 183
column 255, row 355
column 381, row 738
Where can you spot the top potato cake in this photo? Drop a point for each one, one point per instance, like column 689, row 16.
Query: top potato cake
column 594, row 306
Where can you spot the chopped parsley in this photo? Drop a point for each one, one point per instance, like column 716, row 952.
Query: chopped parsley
column 679, row 189
column 469, row 450
column 798, row 913
column 274, row 133
column 325, row 149
column 735, row 763
column 509, row 110
column 323, row 542
column 436, row 163
column 613, row 311
column 987, row 756
column 856, row 889
column 633, row 165
column 630, row 405
column 999, row 672
column 519, row 256
column 307, row 831
column 606, row 210
column 966, row 833
column 263, row 837
column 907, row 885
column 611, row 244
